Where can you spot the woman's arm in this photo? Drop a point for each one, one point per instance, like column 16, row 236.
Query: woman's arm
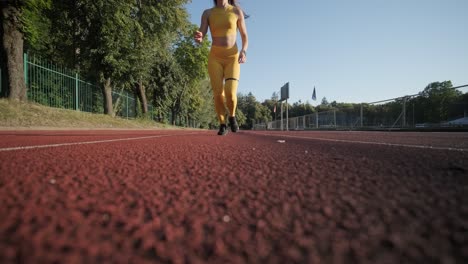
column 244, row 36
column 203, row 27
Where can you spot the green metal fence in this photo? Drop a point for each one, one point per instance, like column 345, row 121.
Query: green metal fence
column 52, row 85
column 56, row 86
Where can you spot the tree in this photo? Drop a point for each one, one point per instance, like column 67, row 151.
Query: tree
column 201, row 107
column 324, row 105
column 12, row 48
column 110, row 44
column 254, row 111
column 273, row 105
column 436, row 99
column 301, row 109
column 164, row 85
column 262, row 114
column 193, row 61
column 270, row 104
column 240, row 117
column 157, row 25
column 325, row 102
column 246, row 103
column 36, row 25
column 13, row 25
column 94, row 37
column 115, row 43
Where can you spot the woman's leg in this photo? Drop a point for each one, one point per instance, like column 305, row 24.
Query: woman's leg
column 232, row 74
column 216, row 72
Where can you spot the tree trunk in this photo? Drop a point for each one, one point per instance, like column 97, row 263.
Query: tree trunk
column 174, row 116
column 141, row 92
column 12, row 45
column 107, row 94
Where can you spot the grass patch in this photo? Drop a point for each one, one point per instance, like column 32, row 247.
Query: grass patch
column 18, row 115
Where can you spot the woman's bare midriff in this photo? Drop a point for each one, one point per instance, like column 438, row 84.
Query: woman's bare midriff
column 227, row 41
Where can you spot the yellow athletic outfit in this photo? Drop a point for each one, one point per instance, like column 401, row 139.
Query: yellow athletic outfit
column 223, row 62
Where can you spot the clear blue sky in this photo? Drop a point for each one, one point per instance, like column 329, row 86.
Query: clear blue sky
column 351, row 51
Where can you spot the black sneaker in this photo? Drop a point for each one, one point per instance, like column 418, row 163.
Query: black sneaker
column 222, row 130
column 233, row 124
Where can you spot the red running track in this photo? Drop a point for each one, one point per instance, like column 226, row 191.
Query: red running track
column 252, row 197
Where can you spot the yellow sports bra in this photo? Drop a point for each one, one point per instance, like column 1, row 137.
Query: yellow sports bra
column 223, row 22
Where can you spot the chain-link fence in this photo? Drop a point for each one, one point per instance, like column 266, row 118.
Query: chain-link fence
column 447, row 109
column 56, row 86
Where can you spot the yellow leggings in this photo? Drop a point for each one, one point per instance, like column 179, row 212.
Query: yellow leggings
column 224, row 71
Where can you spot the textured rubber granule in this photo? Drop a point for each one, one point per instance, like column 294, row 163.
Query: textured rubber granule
column 243, row 198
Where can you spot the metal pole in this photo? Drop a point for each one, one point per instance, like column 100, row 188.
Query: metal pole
column 25, row 62
column 281, row 115
column 316, row 120
column 275, row 110
column 404, row 113
column 287, row 116
column 362, row 119
column 76, row 91
column 334, row 116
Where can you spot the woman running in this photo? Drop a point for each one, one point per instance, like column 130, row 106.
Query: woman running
column 224, row 19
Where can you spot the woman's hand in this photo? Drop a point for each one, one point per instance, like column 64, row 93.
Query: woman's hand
column 242, row 56
column 198, row 37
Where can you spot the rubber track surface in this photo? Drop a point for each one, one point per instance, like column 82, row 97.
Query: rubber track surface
column 195, row 197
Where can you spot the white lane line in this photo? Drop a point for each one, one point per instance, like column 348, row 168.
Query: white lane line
column 365, row 142
column 91, row 142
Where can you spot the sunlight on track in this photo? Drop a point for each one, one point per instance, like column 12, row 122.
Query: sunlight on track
column 92, row 142
column 363, row 142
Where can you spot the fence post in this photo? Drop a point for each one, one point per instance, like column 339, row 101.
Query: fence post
column 76, row 91
column 25, row 66
column 334, row 116
column 281, row 116
column 404, row 112
column 287, row 116
column 316, row 120
column 362, row 116
column 126, row 102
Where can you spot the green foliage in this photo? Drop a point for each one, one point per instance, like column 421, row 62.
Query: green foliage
column 124, row 41
column 241, row 118
column 165, row 77
column 201, row 106
column 270, row 105
column 157, row 25
column 191, row 60
column 262, row 113
column 192, row 57
column 437, row 99
column 301, row 109
column 36, row 26
column 253, row 111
